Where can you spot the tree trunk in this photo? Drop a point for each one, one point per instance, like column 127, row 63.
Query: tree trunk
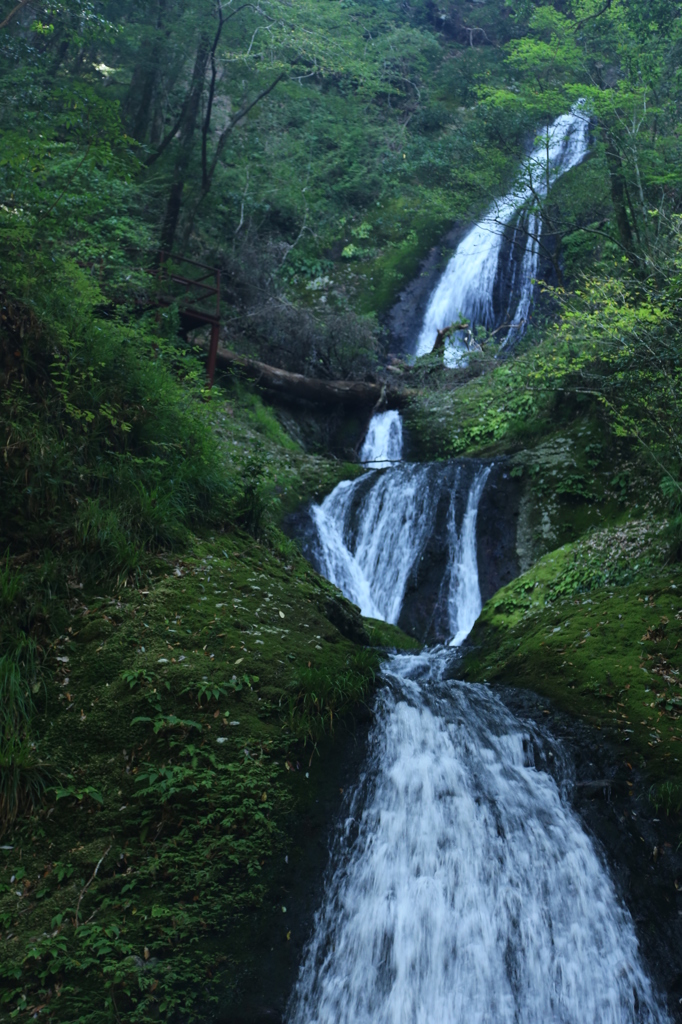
column 148, row 85
column 170, row 221
column 313, row 389
column 615, row 165
column 186, row 136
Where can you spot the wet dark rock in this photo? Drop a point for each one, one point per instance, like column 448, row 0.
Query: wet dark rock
column 347, row 619
column 296, row 883
column 300, row 527
column 404, row 320
column 496, row 539
column 323, row 430
column 259, row 1015
column 423, row 611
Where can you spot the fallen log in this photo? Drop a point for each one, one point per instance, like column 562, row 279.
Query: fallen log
column 312, row 389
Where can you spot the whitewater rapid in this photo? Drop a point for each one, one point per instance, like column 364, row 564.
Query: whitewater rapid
column 462, row 887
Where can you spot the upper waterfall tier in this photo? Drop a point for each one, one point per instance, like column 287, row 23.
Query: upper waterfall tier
column 466, row 289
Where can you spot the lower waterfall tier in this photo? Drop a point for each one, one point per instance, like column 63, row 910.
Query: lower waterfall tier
column 463, row 888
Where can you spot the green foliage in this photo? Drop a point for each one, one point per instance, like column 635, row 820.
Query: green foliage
column 175, row 784
column 212, row 689
column 252, row 505
column 24, row 779
column 201, row 810
column 107, row 453
column 320, row 697
column 666, row 796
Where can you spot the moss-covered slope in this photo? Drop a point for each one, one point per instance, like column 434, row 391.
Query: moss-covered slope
column 596, row 627
column 181, row 727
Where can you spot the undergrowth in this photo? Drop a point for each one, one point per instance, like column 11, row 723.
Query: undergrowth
column 183, row 724
column 166, row 661
column 107, row 448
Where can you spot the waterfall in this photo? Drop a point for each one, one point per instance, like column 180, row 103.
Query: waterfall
column 373, row 530
column 462, row 887
column 384, row 441
column 464, row 596
column 466, row 289
column 368, row 552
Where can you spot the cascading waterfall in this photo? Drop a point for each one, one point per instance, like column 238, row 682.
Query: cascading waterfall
column 462, row 888
column 372, row 567
column 373, row 530
column 466, row 289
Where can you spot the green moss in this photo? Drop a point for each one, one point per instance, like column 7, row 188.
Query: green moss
column 405, row 236
column 259, row 418
column 178, row 723
column 383, row 634
column 596, row 627
column 253, row 441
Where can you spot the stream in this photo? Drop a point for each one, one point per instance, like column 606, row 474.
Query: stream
column 462, row 888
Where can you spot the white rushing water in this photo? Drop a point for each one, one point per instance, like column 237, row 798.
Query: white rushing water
column 463, row 889
column 466, row 289
column 373, row 530
column 383, row 444
column 464, row 592
column 395, row 515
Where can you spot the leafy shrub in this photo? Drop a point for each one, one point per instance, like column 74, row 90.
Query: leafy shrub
column 19, row 657
column 251, row 505
column 667, row 796
column 108, row 450
column 319, row 698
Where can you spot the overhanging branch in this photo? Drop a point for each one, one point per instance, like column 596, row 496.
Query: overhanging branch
column 5, row 23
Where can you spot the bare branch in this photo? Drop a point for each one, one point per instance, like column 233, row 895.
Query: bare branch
column 87, row 885
column 5, row 23
column 222, row 21
column 234, row 121
column 169, row 137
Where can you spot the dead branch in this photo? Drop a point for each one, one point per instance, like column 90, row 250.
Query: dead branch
column 89, row 883
column 313, row 389
column 15, row 10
